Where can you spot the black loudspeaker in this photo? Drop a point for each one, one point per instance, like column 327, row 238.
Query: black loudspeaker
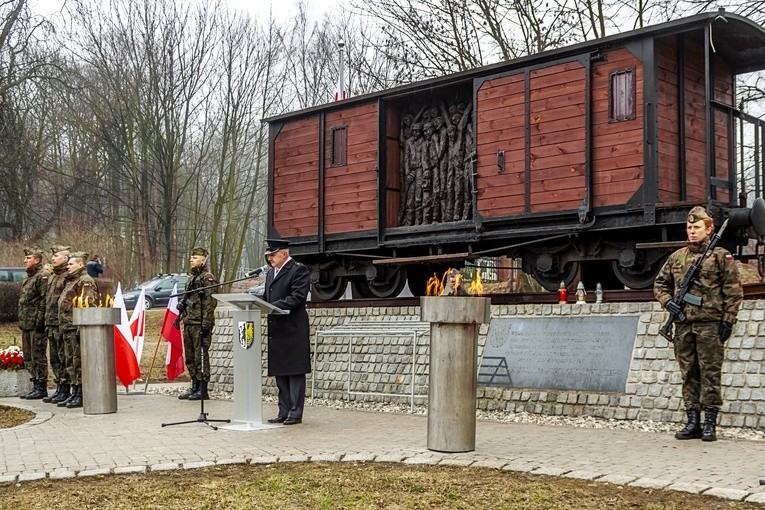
column 751, row 217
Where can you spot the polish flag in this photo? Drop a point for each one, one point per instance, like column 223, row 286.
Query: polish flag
column 174, row 358
column 125, row 361
column 138, row 325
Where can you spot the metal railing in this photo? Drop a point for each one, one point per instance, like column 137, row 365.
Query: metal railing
column 373, row 328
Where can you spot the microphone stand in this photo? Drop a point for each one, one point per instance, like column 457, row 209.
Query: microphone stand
column 202, row 418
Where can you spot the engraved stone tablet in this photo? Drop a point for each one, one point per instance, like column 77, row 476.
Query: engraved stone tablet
column 568, row 353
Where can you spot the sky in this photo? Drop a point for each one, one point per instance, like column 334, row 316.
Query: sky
column 282, row 9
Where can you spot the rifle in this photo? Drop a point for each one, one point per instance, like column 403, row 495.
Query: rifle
column 691, row 278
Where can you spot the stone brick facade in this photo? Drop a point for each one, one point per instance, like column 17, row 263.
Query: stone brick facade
column 382, row 364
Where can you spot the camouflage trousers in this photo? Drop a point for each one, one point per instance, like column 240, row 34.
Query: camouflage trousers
column 700, row 356
column 197, row 365
column 56, row 355
column 35, row 346
column 72, row 357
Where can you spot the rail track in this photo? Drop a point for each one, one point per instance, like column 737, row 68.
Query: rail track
column 751, row 291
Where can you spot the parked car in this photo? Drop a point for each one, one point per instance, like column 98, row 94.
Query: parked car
column 12, row 274
column 158, row 290
column 258, row 290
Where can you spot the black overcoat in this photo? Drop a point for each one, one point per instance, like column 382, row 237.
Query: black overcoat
column 289, row 346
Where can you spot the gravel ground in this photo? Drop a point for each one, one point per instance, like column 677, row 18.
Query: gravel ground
column 508, row 417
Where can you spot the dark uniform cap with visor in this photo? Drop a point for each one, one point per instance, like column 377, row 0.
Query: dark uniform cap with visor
column 698, row 213
column 274, row 245
column 199, row 251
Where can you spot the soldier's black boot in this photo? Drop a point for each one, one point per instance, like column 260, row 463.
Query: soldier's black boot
column 50, row 398
column 201, row 393
column 194, row 388
column 30, row 392
column 63, row 394
column 72, row 393
column 39, row 390
column 76, row 400
column 710, row 424
column 692, row 429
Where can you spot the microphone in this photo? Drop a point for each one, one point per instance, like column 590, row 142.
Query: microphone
column 256, row 272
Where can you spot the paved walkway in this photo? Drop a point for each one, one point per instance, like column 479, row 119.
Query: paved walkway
column 62, row 443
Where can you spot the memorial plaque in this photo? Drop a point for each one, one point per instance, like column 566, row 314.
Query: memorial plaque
column 567, row 353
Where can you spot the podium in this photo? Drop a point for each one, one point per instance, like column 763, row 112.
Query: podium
column 246, row 346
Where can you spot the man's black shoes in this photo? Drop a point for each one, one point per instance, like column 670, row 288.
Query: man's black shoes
column 278, row 419
column 293, row 421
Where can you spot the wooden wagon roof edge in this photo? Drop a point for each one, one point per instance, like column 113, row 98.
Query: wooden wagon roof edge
column 730, row 26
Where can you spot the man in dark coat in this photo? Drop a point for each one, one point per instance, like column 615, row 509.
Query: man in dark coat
column 289, row 348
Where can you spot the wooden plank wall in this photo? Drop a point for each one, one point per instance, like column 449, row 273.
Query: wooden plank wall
column 669, row 134
column 556, row 123
column 296, row 178
column 724, row 92
column 500, row 126
column 695, row 123
column 617, row 168
column 350, row 203
column 557, row 137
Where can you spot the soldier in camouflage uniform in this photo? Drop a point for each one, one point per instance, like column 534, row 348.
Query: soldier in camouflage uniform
column 78, row 283
column 699, row 341
column 32, row 323
column 198, row 314
column 56, row 283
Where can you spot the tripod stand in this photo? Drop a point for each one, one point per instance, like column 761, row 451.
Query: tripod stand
column 202, row 418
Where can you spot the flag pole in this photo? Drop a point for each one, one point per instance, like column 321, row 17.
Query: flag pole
column 341, row 46
column 153, row 359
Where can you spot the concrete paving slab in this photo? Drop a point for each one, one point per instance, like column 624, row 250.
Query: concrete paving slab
column 133, row 438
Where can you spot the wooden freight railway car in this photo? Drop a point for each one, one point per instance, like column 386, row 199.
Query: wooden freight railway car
column 583, row 161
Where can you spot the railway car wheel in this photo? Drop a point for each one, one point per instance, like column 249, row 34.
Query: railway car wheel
column 551, row 281
column 640, row 277
column 388, row 287
column 329, row 291
column 360, row 290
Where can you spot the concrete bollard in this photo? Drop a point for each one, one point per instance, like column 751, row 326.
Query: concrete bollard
column 453, row 377
column 99, row 387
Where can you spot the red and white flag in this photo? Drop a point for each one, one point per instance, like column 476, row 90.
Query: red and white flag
column 174, row 358
column 340, row 93
column 126, row 363
column 138, row 325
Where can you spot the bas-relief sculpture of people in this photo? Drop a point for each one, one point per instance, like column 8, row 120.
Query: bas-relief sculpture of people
column 437, row 144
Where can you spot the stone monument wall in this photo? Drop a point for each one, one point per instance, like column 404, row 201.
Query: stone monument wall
column 382, row 366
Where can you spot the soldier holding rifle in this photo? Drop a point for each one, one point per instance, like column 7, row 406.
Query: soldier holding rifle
column 699, row 285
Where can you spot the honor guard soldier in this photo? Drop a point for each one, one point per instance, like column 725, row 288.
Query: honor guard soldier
column 32, row 323
column 197, row 310
column 699, row 340
column 56, row 283
column 77, row 284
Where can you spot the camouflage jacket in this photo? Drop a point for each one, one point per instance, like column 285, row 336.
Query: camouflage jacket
column 720, row 291
column 32, row 298
column 56, row 283
column 194, row 315
column 77, row 283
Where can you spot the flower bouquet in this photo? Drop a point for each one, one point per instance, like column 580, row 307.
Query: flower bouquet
column 11, row 358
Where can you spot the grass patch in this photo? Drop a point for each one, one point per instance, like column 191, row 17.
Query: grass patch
column 346, row 486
